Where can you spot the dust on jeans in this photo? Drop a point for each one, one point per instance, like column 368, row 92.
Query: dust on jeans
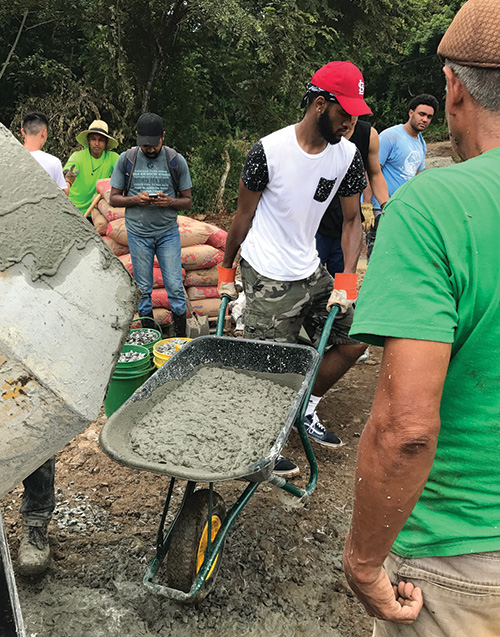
column 218, row 420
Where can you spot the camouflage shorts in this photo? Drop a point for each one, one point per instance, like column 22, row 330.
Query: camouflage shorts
column 277, row 310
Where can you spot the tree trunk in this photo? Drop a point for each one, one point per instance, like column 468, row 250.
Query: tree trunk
column 13, row 47
column 219, row 200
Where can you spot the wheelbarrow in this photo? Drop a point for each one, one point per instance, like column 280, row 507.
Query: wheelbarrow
column 192, row 544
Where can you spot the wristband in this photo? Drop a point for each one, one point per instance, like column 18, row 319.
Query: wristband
column 346, row 281
column 226, row 275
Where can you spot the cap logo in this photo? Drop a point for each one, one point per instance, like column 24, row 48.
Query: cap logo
column 361, row 87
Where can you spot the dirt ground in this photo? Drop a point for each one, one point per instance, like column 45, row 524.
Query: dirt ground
column 281, row 572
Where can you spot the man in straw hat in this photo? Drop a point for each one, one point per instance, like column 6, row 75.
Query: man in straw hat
column 423, row 551
column 85, row 167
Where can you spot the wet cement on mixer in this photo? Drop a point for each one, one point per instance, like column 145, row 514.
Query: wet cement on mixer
column 218, row 420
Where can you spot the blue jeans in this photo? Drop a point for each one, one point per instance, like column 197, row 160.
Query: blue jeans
column 168, row 251
column 330, row 253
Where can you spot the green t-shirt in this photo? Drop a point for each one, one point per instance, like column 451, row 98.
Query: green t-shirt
column 90, row 171
column 433, row 276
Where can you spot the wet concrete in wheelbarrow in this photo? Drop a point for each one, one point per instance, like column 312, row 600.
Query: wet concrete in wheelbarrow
column 281, row 573
column 232, row 420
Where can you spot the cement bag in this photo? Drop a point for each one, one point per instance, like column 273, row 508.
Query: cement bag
column 109, row 212
column 103, row 187
column 126, row 259
column 159, row 298
column 201, row 256
column 192, row 232
column 116, row 230
column 206, row 307
column 206, row 276
column 164, row 317
column 99, row 220
column 115, row 247
column 217, row 236
column 202, row 292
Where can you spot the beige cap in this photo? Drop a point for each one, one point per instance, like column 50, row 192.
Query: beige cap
column 473, row 38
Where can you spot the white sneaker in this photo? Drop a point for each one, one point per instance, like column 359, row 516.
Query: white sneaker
column 364, row 356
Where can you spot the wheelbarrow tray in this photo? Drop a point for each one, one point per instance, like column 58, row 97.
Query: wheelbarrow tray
column 287, row 364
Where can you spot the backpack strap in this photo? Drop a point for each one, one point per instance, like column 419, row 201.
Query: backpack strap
column 173, row 167
column 130, row 159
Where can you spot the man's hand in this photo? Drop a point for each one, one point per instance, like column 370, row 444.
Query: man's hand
column 70, row 175
column 344, row 291
column 142, row 199
column 226, row 286
column 339, row 297
column 400, row 604
column 161, row 200
column 367, row 211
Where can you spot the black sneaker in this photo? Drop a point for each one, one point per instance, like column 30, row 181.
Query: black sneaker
column 285, row 468
column 317, row 432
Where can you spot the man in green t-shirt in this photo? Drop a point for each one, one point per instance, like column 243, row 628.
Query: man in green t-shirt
column 85, row 167
column 423, row 551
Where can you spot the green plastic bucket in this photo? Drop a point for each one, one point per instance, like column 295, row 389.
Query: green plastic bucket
column 143, row 363
column 126, row 379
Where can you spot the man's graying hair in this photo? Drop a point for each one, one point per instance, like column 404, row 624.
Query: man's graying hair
column 483, row 84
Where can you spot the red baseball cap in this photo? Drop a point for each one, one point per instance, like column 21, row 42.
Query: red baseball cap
column 345, row 81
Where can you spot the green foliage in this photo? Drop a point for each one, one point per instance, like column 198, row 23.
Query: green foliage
column 221, row 74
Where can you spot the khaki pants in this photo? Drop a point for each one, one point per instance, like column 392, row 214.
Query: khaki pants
column 461, row 595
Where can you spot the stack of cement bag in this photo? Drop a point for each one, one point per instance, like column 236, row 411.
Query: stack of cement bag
column 202, row 249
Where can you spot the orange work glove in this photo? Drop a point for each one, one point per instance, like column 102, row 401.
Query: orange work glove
column 226, row 285
column 344, row 291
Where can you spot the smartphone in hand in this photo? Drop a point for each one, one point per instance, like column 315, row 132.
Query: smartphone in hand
column 154, row 195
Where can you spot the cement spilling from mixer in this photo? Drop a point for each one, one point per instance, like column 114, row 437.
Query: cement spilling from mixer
column 219, row 420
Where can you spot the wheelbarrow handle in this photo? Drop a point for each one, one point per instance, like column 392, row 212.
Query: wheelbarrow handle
column 327, row 328
column 222, row 313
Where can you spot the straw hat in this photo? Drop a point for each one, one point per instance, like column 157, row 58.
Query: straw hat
column 97, row 126
column 473, row 38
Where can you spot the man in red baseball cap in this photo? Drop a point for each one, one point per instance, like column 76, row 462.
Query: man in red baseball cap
column 288, row 180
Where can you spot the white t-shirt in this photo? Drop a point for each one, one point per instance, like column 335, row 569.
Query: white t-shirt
column 296, row 190
column 51, row 165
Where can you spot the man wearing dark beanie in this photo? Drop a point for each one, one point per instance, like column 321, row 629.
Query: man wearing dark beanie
column 423, row 551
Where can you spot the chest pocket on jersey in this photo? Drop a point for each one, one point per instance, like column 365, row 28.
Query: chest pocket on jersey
column 324, row 189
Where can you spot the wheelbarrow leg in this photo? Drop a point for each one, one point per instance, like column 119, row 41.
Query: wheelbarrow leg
column 162, row 539
column 11, row 620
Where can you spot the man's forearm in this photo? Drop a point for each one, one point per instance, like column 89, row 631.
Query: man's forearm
column 352, row 237
column 235, row 237
column 397, row 448
column 392, row 468
column 122, row 201
column 379, row 188
column 180, row 203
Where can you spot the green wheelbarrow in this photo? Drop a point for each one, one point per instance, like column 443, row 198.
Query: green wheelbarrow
column 191, row 546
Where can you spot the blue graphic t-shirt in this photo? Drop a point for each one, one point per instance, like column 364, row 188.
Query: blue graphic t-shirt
column 401, row 157
column 151, row 176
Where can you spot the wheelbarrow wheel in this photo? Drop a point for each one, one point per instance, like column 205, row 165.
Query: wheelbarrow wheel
column 189, row 542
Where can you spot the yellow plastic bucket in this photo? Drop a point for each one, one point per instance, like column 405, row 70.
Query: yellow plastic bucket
column 160, row 359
